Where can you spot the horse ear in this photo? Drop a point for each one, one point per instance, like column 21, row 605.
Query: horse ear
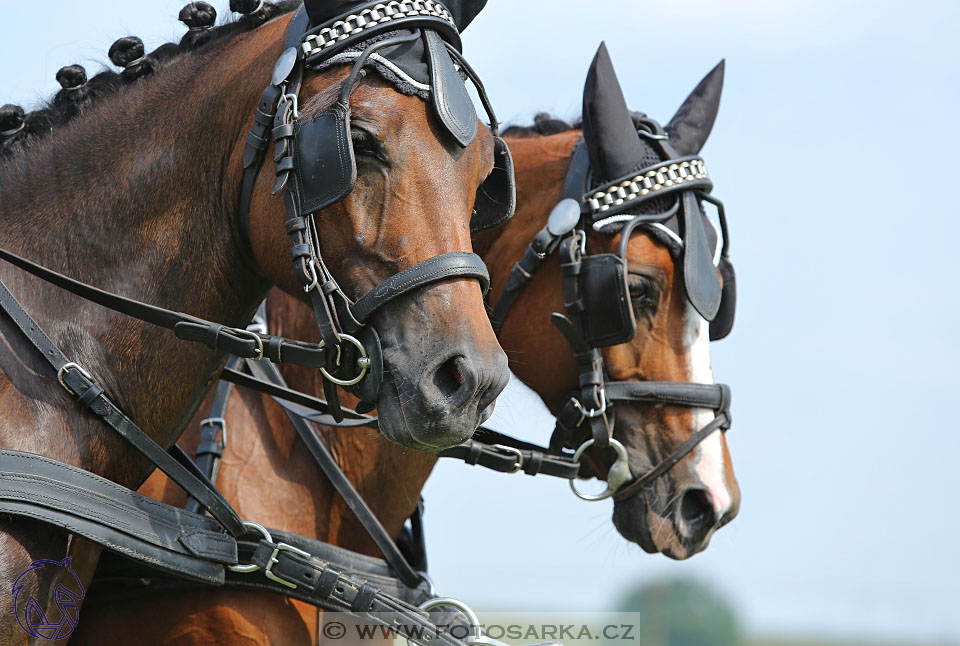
column 612, row 141
column 464, row 11
column 691, row 125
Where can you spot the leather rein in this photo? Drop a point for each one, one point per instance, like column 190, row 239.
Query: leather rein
column 183, row 544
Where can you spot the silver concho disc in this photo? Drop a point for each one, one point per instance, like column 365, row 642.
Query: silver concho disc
column 284, row 65
column 564, row 217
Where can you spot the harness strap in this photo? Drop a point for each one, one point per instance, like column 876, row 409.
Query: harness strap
column 157, row 534
column 213, row 435
column 716, row 397
column 292, row 399
column 505, row 458
column 328, row 464
column 215, row 336
column 721, row 422
column 521, row 275
column 82, row 386
column 454, row 264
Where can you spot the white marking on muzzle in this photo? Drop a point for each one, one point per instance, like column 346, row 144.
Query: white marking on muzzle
column 708, row 457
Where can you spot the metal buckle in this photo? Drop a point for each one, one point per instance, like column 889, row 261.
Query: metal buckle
column 250, row 334
column 593, row 412
column 363, row 362
column 252, row 567
column 71, row 366
column 617, row 475
column 217, row 421
column 283, row 547
column 511, row 451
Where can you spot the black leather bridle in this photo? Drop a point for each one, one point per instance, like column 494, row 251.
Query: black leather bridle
column 599, row 311
column 315, row 167
column 187, row 545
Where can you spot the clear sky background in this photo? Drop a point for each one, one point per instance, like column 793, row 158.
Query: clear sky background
column 835, row 154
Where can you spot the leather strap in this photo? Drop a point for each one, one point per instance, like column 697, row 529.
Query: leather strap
column 157, row 534
column 213, row 435
column 520, row 276
column 454, row 264
column 189, row 328
column 530, row 461
column 721, row 422
column 716, row 397
column 328, row 464
column 84, row 388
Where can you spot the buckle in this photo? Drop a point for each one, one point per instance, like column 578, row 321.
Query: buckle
column 283, row 547
column 217, row 421
column 509, row 450
column 250, row 334
column 71, row 366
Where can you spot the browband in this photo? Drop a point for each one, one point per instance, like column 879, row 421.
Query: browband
column 672, row 176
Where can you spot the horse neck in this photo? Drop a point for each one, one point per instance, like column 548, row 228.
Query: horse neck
column 389, row 477
column 540, row 164
column 139, row 197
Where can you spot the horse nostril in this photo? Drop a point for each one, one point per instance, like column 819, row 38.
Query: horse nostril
column 697, row 516
column 450, row 376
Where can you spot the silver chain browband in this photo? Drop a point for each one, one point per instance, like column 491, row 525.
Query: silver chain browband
column 647, row 181
column 368, row 18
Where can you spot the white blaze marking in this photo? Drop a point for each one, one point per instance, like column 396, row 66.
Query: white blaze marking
column 708, row 457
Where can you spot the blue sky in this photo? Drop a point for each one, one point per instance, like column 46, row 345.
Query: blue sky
column 834, row 153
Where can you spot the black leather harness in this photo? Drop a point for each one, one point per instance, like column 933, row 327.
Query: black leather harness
column 315, row 167
column 599, row 312
column 221, row 548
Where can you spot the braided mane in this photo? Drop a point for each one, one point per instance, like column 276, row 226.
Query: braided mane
column 19, row 129
column 543, row 125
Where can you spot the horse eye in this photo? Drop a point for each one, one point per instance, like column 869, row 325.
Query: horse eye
column 643, row 291
column 366, row 145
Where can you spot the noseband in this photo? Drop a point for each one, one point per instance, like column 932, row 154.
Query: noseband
column 315, row 167
column 599, row 312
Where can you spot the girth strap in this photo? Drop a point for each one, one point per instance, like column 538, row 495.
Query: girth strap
column 163, row 536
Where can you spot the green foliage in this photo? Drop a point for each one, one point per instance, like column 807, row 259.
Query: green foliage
column 680, row 612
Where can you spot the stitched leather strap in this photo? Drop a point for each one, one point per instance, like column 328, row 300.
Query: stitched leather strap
column 93, row 397
column 720, row 422
column 713, row 396
column 439, row 268
column 115, row 517
column 328, row 464
column 189, row 328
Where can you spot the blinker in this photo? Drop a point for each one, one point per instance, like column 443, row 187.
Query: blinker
column 608, row 317
column 564, row 217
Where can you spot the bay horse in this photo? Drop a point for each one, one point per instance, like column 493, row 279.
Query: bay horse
column 265, row 470
column 139, row 195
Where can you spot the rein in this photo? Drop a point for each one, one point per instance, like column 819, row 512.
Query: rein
column 586, row 418
column 224, row 549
